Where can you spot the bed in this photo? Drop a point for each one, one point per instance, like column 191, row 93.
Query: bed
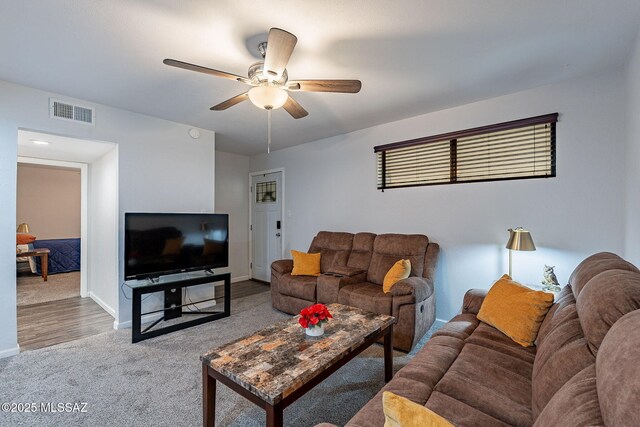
column 64, row 256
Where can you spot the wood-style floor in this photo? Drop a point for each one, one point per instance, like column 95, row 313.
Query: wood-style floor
column 49, row 323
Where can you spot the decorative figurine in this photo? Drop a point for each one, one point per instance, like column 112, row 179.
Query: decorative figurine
column 550, row 282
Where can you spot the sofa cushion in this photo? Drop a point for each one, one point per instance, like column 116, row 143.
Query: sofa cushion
column 415, row 381
column 303, row 287
column 489, row 337
column 575, row 404
column 389, row 248
column 594, row 265
column 515, row 310
column 367, row 296
column 556, row 313
column 334, row 248
column 495, row 383
column 360, row 256
column 603, row 300
column 618, row 372
column 459, row 413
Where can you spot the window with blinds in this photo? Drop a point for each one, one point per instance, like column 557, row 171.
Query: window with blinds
column 518, row 149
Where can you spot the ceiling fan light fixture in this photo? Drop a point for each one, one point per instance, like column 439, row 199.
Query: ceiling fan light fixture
column 268, row 97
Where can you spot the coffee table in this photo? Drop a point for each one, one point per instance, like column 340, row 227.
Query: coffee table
column 277, row 365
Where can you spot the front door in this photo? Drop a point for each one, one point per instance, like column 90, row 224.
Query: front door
column 266, row 223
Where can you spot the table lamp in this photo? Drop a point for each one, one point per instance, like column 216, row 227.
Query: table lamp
column 519, row 240
column 23, row 228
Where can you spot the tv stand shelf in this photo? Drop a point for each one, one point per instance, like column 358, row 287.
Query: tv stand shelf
column 173, row 310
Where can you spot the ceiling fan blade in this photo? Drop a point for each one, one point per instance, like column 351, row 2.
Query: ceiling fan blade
column 279, row 47
column 205, row 70
column 295, row 109
column 230, row 102
column 341, row 86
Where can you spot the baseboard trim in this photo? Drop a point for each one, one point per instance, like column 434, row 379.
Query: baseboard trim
column 10, row 352
column 106, row 307
column 148, row 318
column 239, row 279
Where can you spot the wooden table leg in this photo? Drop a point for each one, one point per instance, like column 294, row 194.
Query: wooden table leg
column 388, row 355
column 45, row 266
column 274, row 415
column 208, row 398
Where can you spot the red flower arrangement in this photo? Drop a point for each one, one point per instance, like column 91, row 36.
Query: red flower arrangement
column 314, row 315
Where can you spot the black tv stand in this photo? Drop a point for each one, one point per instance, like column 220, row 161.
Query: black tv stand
column 173, row 306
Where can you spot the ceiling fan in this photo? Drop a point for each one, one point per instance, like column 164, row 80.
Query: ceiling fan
column 270, row 80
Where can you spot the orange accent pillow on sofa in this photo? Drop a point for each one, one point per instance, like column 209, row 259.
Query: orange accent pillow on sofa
column 24, row 238
column 400, row 270
column 402, row 412
column 515, row 310
column 305, row 264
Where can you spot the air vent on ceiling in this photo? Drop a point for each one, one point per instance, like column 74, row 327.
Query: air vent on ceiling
column 75, row 113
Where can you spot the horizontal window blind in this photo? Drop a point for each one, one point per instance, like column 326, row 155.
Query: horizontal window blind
column 513, row 150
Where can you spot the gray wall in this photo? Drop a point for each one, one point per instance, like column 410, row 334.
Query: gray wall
column 160, row 169
column 49, row 201
column 232, row 197
column 632, row 223
column 331, row 185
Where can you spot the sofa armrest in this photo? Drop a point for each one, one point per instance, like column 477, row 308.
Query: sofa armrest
column 343, row 270
column 419, row 287
column 282, row 266
column 473, row 300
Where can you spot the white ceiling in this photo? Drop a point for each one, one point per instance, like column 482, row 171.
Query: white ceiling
column 413, row 57
column 61, row 148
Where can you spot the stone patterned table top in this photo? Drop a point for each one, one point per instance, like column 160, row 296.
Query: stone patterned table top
column 275, row 361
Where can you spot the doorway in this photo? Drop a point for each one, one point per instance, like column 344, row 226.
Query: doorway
column 266, row 225
column 62, row 217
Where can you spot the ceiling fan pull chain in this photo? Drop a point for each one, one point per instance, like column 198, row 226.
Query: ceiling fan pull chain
column 269, row 131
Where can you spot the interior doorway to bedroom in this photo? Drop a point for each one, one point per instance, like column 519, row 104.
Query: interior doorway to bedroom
column 57, row 298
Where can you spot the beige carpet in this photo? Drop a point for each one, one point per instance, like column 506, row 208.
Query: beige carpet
column 33, row 290
column 158, row 382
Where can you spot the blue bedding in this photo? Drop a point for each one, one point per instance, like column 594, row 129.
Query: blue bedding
column 64, row 255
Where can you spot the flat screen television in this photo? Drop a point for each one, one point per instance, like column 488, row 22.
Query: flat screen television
column 165, row 243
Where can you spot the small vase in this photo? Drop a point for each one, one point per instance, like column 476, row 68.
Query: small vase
column 316, row 331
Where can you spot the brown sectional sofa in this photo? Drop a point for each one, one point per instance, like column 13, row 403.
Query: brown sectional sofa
column 584, row 371
column 353, row 267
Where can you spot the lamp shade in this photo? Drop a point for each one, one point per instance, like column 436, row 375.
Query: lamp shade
column 520, row 240
column 268, row 97
column 23, row 228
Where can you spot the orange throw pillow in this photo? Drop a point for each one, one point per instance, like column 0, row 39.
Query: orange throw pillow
column 400, row 270
column 305, row 264
column 24, row 238
column 515, row 310
column 402, row 412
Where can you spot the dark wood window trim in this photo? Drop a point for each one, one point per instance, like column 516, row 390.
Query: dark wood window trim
column 383, row 151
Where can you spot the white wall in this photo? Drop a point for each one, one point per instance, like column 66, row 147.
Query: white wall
column 160, row 169
column 632, row 223
column 331, row 185
column 49, row 201
column 103, row 224
column 232, row 197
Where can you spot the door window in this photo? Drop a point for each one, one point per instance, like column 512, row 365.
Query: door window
column 266, row 192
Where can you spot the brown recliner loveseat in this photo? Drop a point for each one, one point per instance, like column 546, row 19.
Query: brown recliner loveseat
column 583, row 371
column 353, row 267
